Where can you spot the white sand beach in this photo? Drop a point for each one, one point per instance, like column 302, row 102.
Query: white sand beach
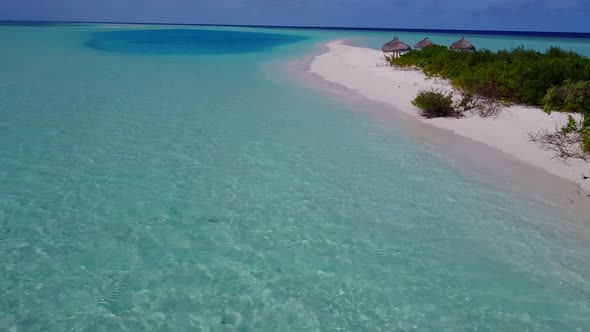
column 364, row 70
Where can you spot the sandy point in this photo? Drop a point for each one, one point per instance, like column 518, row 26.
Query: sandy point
column 497, row 147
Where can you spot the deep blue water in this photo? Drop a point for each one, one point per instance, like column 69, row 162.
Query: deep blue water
column 183, row 41
column 373, row 29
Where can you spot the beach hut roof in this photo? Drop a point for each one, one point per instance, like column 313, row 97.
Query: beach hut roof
column 396, row 45
column 423, row 43
column 462, row 45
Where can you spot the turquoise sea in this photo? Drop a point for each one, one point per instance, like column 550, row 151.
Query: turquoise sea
column 174, row 178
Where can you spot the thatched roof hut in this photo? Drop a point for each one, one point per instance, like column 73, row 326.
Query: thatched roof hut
column 396, row 46
column 462, row 45
column 424, row 43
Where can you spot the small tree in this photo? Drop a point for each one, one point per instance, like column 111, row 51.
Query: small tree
column 435, row 104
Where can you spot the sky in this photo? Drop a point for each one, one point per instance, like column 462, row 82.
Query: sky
column 522, row 15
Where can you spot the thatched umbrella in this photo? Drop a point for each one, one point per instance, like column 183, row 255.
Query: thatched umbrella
column 396, row 47
column 462, row 45
column 424, row 43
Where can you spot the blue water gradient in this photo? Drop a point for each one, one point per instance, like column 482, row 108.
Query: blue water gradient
column 214, row 193
column 187, row 41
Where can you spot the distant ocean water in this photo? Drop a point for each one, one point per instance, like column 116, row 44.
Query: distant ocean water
column 157, row 178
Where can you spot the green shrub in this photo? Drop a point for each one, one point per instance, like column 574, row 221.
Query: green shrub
column 435, row 104
column 572, row 97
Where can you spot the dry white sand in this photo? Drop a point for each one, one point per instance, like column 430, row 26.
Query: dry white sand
column 364, row 70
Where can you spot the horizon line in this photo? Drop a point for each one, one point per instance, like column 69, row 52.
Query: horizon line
column 470, row 31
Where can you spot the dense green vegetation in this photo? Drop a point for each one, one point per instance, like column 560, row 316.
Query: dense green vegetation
column 556, row 80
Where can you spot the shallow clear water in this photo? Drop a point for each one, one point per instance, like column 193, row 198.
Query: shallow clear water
column 174, row 190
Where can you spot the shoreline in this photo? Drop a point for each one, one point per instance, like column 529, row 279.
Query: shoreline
column 497, row 148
